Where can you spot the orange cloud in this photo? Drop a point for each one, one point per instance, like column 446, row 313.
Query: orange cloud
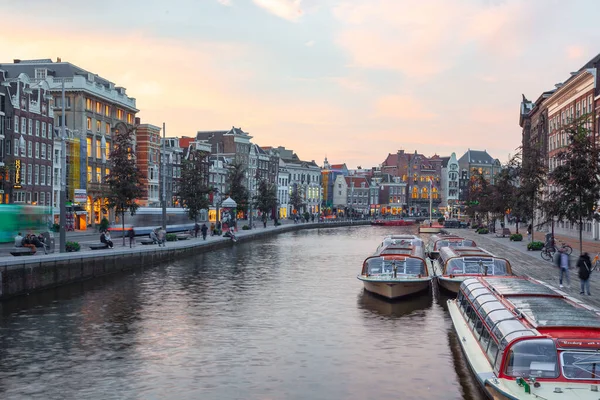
column 286, row 9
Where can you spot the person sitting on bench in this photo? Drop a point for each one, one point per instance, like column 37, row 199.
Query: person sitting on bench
column 28, row 242
column 19, row 240
column 105, row 240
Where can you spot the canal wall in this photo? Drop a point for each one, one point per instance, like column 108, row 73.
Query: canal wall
column 27, row 274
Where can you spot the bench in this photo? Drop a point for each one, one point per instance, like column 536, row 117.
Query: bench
column 98, row 246
column 183, row 236
column 21, row 251
column 147, row 241
column 504, row 233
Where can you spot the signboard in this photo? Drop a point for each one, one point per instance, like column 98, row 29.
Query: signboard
column 80, row 195
column 17, row 174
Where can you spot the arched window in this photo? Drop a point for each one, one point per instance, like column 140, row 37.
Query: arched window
column 434, row 193
column 424, row 194
column 415, row 192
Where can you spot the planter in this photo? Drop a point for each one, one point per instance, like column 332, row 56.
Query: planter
column 516, row 237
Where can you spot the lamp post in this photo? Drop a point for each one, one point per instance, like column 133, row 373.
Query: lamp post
column 163, row 168
column 63, row 175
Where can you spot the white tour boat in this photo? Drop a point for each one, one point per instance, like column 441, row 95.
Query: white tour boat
column 524, row 339
column 436, row 242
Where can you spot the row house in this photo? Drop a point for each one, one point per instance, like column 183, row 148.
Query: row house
column 391, row 197
column 95, row 109
column 450, row 185
column 172, row 160
column 148, row 153
column 472, row 163
column 192, row 149
column 351, row 195
column 283, row 190
column 26, row 136
column 329, row 173
column 545, row 122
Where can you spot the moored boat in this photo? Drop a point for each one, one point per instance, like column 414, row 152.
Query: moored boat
column 524, row 339
column 393, row 222
column 411, row 242
column 430, row 227
column 396, row 275
column 455, row 264
column 436, row 242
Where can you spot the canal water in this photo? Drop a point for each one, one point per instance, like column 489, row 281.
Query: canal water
column 281, row 318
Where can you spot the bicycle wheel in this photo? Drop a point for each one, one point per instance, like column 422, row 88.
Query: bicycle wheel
column 567, row 248
column 547, row 255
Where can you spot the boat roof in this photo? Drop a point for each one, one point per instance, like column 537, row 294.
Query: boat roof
column 450, row 252
column 444, row 236
column 523, row 306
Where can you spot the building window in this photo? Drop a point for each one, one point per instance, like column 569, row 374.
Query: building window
column 88, row 104
column 23, row 177
column 98, row 150
column 29, row 173
column 89, row 147
column 98, row 126
column 43, row 129
column 37, row 175
column 30, row 127
column 107, row 111
column 16, row 149
column 42, row 198
column 98, row 174
column 29, row 148
column 40, row 73
column 89, row 124
column 16, row 124
column 49, row 152
column 23, row 125
column 120, row 114
column 98, row 107
column 50, row 133
column 129, row 118
column 37, row 150
column 107, row 128
column 43, row 175
column 89, row 173
column 37, row 128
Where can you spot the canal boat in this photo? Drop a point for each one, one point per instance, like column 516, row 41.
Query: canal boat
column 455, row 264
column 524, row 339
column 393, row 222
column 402, row 241
column 430, row 227
column 398, row 274
column 436, row 242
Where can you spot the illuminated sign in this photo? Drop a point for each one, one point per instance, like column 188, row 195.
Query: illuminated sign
column 17, row 174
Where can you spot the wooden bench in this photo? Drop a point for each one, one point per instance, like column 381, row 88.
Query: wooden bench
column 147, row 241
column 98, row 246
column 504, row 233
column 183, row 236
column 21, row 251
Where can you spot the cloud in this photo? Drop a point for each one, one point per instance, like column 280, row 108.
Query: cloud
column 286, row 9
column 575, row 52
column 225, row 2
column 310, row 43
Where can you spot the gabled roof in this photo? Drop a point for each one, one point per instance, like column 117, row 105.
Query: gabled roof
column 445, row 161
column 356, row 181
column 477, row 157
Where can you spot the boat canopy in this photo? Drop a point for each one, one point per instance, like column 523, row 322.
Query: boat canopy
column 385, row 264
column 402, row 241
column 436, row 242
column 472, row 261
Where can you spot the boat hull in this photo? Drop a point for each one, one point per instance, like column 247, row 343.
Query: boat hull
column 450, row 284
column 394, row 289
column 430, row 229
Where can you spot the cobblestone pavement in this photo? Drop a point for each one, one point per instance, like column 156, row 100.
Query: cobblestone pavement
column 530, row 263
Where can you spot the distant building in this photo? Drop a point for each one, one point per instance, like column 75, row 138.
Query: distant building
column 475, row 162
column 450, row 184
column 148, row 153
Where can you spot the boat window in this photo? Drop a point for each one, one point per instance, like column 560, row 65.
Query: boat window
column 533, row 358
column 477, row 292
column 481, row 300
column 496, row 316
column 410, row 266
column 504, row 328
column 479, row 327
column 484, row 339
column 580, row 364
column 492, row 351
column 477, row 265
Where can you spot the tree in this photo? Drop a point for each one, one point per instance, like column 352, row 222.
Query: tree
column 266, row 198
column 236, row 179
column 532, row 181
column 193, row 191
column 575, row 180
column 477, row 195
column 502, row 192
column 124, row 180
column 296, row 199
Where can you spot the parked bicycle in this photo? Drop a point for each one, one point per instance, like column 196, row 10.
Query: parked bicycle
column 550, row 248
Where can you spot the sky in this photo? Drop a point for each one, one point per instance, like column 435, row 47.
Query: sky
column 350, row 80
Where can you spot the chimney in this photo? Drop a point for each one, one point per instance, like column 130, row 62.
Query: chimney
column 58, row 59
column 16, row 61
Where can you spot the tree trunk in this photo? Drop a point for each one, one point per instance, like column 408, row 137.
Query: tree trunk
column 517, row 225
column 580, row 234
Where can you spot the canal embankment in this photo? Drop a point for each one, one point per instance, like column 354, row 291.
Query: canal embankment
column 26, row 274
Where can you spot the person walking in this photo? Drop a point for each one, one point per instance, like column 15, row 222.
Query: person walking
column 196, row 229
column 131, row 235
column 204, row 230
column 212, row 229
column 529, row 231
column 564, row 268
column 585, row 265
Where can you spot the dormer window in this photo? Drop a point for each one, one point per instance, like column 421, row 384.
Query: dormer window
column 90, row 77
column 40, row 73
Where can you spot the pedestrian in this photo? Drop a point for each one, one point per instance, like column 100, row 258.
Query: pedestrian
column 105, row 238
column 212, row 229
column 27, row 242
column 131, row 235
column 564, row 268
column 529, row 231
column 584, row 264
column 196, row 229
column 19, row 240
column 153, row 236
column 204, row 230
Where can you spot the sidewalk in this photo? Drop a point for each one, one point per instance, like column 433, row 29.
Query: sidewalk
column 530, row 263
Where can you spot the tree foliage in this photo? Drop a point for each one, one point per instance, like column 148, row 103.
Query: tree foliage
column 124, row 181
column 532, row 178
column 266, row 197
column 193, row 190
column 236, row 180
column 296, row 199
column 575, row 181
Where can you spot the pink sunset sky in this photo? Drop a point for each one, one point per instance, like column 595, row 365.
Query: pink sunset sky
column 350, row 80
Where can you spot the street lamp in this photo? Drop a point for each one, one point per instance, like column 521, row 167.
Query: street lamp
column 63, row 174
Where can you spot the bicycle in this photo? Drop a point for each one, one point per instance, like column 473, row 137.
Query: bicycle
column 596, row 263
column 548, row 253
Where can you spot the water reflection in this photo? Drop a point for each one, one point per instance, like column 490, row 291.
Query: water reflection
column 396, row 308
